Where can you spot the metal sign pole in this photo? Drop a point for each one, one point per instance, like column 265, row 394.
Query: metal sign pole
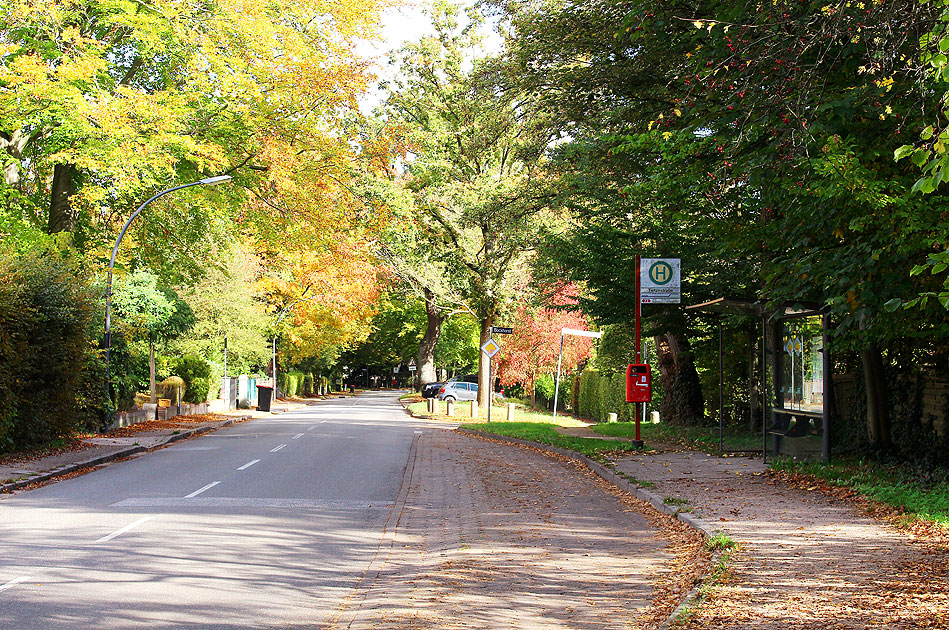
column 638, row 440
column 557, row 383
column 490, row 380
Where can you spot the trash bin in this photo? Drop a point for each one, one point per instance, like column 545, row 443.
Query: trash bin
column 264, row 395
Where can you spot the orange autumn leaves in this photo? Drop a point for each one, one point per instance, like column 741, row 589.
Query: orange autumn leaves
column 532, row 349
column 337, row 289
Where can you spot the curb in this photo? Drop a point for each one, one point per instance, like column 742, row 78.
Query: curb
column 611, row 476
column 105, row 459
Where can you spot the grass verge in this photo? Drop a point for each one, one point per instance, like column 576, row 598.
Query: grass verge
column 545, row 434
column 703, row 438
column 521, row 414
column 918, row 493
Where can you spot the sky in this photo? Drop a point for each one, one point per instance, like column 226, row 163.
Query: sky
column 403, row 25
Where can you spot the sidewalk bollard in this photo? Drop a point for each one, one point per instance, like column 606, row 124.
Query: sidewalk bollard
column 510, row 412
column 474, row 409
column 654, row 416
column 451, row 409
column 611, row 417
column 431, row 404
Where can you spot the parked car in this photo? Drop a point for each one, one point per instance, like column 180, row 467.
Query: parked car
column 430, row 390
column 457, row 390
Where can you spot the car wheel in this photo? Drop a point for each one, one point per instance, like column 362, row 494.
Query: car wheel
column 449, row 399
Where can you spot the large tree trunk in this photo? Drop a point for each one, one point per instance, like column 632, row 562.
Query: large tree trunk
column 426, row 349
column 878, row 412
column 484, row 381
column 62, row 217
column 682, row 401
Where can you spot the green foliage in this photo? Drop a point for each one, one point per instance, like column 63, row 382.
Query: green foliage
column 196, row 374
column 603, row 394
column 170, row 387
column 47, row 362
column 544, row 391
column 308, row 385
column 291, row 383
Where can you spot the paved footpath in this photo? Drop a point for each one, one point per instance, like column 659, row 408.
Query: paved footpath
column 495, row 536
column 807, row 560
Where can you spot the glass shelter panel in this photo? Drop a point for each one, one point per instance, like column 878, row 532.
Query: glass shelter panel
column 802, row 383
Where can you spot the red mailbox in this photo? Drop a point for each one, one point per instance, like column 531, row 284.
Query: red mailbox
column 638, row 383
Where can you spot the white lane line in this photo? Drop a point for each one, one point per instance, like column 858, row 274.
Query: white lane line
column 274, row 450
column 119, row 532
column 200, row 490
column 13, row 583
column 418, row 433
column 297, row 436
column 311, row 428
column 248, row 464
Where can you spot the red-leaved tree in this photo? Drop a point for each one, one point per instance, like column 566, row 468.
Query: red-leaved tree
column 533, row 347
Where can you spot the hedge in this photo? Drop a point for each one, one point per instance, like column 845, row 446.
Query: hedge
column 291, row 383
column 49, row 363
column 603, row 394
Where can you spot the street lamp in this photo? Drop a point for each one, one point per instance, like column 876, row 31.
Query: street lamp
column 563, row 333
column 107, row 339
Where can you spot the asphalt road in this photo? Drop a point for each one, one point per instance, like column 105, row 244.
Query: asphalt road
column 270, row 523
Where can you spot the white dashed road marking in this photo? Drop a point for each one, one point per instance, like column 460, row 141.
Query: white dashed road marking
column 274, row 450
column 128, row 527
column 248, row 464
column 200, row 490
column 13, row 583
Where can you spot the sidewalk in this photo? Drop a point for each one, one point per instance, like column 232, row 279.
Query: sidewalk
column 806, row 559
column 90, row 452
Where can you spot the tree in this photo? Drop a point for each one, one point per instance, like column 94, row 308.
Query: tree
column 144, row 308
column 225, row 305
column 534, row 346
column 477, row 178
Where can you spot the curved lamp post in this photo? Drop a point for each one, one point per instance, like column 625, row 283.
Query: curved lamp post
column 107, row 339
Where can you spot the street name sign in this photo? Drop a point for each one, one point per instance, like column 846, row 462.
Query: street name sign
column 660, row 281
column 502, row 330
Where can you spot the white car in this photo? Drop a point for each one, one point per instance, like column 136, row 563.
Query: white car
column 456, row 390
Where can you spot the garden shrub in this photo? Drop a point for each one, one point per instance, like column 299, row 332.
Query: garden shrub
column 196, row 373
column 168, row 388
column 47, row 315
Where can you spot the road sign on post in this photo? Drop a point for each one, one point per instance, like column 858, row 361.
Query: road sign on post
column 490, row 348
column 660, row 281
column 502, row 330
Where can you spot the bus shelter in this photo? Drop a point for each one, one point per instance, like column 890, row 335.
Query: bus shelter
column 795, row 379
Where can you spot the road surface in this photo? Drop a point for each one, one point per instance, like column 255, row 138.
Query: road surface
column 347, row 514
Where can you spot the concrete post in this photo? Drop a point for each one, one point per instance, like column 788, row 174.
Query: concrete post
column 474, row 409
column 611, row 417
column 510, row 412
column 451, row 409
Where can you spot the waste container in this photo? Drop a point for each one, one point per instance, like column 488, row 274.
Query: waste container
column 264, row 395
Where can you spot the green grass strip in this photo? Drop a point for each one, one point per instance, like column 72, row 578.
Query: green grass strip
column 545, row 434
column 921, row 492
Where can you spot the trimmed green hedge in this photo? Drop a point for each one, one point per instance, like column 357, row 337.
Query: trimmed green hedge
column 291, row 383
column 603, row 394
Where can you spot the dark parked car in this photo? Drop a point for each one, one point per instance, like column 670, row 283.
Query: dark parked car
column 430, row 390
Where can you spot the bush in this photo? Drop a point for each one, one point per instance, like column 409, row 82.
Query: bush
column 308, row 385
column 196, row 373
column 291, row 383
column 168, row 388
column 603, row 394
column 47, row 315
